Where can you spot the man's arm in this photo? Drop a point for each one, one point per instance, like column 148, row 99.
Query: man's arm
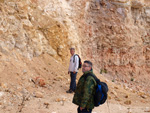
column 88, row 90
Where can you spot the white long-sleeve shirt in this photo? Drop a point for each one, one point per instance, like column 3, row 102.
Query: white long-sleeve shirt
column 73, row 66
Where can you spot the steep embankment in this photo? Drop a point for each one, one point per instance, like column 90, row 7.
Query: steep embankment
column 115, row 35
column 35, row 27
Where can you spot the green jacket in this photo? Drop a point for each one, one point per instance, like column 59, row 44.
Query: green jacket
column 84, row 94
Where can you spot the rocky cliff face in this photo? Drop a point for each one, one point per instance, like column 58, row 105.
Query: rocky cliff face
column 114, row 34
column 34, row 27
column 35, row 37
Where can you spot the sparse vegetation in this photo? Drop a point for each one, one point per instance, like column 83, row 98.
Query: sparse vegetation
column 103, row 71
column 132, row 79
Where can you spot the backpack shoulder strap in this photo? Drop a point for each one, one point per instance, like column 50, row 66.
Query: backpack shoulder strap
column 96, row 79
column 74, row 57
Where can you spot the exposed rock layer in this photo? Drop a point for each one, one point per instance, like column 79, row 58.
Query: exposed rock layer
column 117, row 35
column 114, row 34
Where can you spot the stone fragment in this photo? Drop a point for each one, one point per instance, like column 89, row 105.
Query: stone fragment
column 122, row 3
column 109, row 97
column 38, row 95
column 27, row 24
column 117, row 99
column 47, row 104
column 58, row 78
column 4, row 85
column 144, row 96
column 24, row 71
column 58, row 100
column 1, row 94
column 62, row 103
column 147, row 109
column 39, row 81
column 116, row 87
column 114, row 92
column 129, row 110
column 126, row 96
column 147, row 11
column 127, row 102
column 137, row 4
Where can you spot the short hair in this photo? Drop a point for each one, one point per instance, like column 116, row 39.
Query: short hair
column 88, row 62
column 72, row 48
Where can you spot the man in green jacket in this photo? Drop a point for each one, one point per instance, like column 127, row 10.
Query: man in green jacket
column 86, row 88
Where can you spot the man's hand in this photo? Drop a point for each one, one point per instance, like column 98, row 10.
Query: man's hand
column 81, row 108
column 68, row 72
column 74, row 72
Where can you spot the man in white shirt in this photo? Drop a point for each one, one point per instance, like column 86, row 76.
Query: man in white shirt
column 73, row 70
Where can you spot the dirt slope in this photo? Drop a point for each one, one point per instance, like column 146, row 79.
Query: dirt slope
column 19, row 93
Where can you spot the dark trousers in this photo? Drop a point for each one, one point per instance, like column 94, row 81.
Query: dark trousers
column 73, row 81
column 84, row 110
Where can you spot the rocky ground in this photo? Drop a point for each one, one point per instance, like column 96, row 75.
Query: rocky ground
column 35, row 37
column 22, row 91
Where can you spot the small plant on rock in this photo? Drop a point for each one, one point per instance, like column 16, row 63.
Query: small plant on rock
column 132, row 79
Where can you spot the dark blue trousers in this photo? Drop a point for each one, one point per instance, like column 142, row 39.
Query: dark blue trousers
column 84, row 110
column 73, row 81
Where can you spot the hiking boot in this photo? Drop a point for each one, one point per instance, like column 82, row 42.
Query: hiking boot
column 69, row 91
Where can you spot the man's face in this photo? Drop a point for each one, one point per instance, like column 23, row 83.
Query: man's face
column 72, row 51
column 86, row 67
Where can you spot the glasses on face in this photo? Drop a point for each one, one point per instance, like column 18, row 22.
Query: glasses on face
column 85, row 66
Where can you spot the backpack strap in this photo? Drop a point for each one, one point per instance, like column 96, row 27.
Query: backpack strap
column 90, row 74
column 105, row 89
column 74, row 57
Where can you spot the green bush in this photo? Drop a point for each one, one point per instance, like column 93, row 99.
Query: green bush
column 132, row 79
column 103, row 71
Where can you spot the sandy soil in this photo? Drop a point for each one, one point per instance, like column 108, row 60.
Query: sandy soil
column 19, row 93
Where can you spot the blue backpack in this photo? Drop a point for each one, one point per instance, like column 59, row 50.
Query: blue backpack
column 101, row 91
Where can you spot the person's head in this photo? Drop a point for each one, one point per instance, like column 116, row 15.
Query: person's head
column 72, row 51
column 87, row 66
